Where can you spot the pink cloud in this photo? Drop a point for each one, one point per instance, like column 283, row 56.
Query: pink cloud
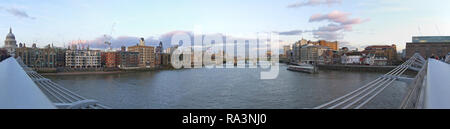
column 335, row 16
column 314, row 3
column 340, row 22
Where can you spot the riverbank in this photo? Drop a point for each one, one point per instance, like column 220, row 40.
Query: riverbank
column 80, row 73
column 362, row 68
column 103, row 72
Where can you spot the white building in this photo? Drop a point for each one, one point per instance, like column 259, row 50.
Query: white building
column 351, row 59
column 83, row 58
column 376, row 60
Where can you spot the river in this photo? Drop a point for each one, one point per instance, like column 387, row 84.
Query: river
column 225, row 89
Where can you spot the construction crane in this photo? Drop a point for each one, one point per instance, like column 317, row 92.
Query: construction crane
column 108, row 41
column 109, row 38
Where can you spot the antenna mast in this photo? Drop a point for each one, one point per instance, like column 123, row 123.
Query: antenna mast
column 420, row 31
column 437, row 28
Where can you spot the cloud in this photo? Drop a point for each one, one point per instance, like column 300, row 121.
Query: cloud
column 18, row 13
column 292, row 32
column 314, row 3
column 337, row 17
column 99, row 42
column 340, row 22
column 329, row 32
column 117, row 42
column 167, row 37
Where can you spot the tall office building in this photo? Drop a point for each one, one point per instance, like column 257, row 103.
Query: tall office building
column 158, row 54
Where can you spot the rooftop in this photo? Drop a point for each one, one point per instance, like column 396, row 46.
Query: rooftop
column 431, row 39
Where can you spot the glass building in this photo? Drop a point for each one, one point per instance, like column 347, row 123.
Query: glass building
column 431, row 39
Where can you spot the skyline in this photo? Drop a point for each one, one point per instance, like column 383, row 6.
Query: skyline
column 353, row 23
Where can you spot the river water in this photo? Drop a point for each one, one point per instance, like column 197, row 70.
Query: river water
column 225, row 89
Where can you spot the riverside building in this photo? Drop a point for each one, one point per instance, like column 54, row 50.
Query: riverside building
column 146, row 54
column 428, row 46
column 37, row 57
column 83, row 58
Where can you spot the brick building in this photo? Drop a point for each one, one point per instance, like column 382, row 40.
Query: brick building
column 146, row 54
column 390, row 52
column 428, row 46
column 329, row 44
column 110, row 59
column 128, row 59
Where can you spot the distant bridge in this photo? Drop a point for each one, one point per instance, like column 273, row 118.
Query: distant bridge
column 430, row 89
column 23, row 88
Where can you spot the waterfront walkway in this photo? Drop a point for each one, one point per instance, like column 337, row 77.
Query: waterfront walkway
column 356, row 67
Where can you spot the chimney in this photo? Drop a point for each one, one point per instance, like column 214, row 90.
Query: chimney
column 142, row 42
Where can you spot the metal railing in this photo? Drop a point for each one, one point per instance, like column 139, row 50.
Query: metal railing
column 414, row 97
column 363, row 95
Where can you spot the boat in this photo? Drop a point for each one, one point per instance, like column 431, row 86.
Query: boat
column 306, row 68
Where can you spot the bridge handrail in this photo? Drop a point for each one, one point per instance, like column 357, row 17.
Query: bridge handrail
column 414, row 96
column 17, row 89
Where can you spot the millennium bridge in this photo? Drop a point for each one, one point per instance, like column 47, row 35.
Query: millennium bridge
column 23, row 88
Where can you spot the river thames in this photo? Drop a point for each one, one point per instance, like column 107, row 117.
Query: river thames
column 225, row 89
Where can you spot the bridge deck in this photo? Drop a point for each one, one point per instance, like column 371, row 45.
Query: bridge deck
column 437, row 85
column 18, row 91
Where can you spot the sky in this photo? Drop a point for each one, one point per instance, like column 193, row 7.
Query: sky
column 354, row 23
